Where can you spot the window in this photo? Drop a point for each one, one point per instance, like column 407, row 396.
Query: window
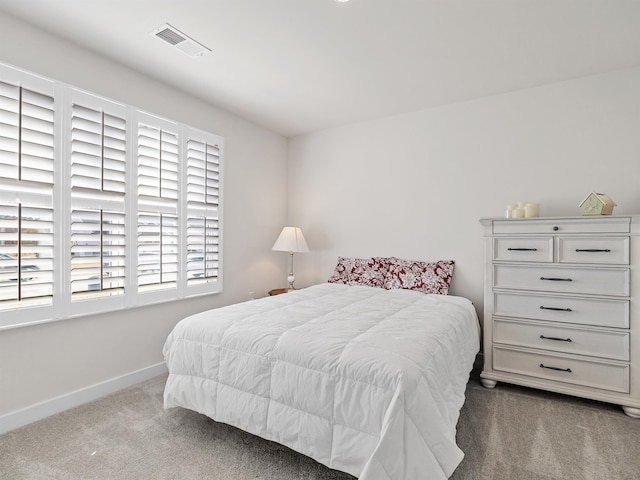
column 97, row 253
column 158, row 254
column 98, row 157
column 203, row 162
column 102, row 206
column 158, row 239
column 26, row 191
column 26, row 246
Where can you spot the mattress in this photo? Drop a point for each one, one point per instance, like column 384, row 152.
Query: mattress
column 363, row 380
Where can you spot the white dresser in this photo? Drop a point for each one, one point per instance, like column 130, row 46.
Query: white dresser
column 562, row 306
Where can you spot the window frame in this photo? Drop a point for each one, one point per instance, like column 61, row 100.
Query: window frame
column 63, row 201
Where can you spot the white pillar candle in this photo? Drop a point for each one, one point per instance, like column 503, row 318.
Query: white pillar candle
column 531, row 210
column 509, row 211
column 518, row 212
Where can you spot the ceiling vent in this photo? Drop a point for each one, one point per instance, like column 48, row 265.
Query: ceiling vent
column 179, row 40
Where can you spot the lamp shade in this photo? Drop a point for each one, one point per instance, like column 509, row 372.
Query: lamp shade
column 291, row 240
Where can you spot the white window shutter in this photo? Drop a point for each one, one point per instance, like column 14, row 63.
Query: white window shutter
column 98, row 132
column 158, row 251
column 98, row 143
column 203, row 227
column 158, row 235
column 125, row 203
column 26, row 134
column 97, row 253
column 203, row 168
column 26, row 246
column 157, row 163
column 26, row 188
column 203, row 249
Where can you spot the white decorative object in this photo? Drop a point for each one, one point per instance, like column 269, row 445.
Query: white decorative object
column 509, row 211
column 531, row 210
column 518, row 212
column 291, row 240
column 561, row 306
column 522, row 210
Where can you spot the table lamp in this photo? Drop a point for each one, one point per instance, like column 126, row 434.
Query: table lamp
column 291, row 240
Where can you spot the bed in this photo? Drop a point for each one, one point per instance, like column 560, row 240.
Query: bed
column 365, row 380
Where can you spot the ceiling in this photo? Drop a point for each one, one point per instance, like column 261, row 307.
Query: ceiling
column 297, row 66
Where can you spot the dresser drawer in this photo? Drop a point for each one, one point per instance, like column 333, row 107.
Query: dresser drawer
column 523, row 249
column 563, row 368
column 597, row 281
column 574, row 310
column 547, row 336
column 563, row 225
column 595, row 250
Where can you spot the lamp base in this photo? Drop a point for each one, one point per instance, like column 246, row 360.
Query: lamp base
column 291, row 279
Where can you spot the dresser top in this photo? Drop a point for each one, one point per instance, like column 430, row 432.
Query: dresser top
column 600, row 224
column 634, row 216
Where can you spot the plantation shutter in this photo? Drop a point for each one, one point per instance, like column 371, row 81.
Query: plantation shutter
column 203, row 170
column 26, row 246
column 102, row 206
column 158, row 252
column 97, row 253
column 203, row 249
column 26, row 134
column 26, row 193
column 157, row 163
column 98, row 142
column 203, row 193
column 158, row 236
column 98, row 240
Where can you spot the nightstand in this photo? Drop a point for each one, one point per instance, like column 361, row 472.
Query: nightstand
column 277, row 291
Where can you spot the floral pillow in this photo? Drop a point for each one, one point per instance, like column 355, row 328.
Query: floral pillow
column 426, row 277
column 368, row 272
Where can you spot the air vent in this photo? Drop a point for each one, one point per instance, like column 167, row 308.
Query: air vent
column 179, row 40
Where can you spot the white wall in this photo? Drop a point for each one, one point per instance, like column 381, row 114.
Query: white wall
column 415, row 185
column 39, row 363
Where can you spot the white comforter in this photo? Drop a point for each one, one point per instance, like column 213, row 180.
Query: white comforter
column 364, row 380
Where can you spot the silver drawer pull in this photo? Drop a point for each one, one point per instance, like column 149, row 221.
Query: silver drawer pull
column 542, row 365
column 542, row 307
column 593, row 250
column 522, row 249
column 557, row 279
column 556, row 339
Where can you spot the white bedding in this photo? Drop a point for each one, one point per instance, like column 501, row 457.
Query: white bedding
column 364, row 380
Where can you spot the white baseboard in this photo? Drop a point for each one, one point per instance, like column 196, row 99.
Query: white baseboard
column 25, row 416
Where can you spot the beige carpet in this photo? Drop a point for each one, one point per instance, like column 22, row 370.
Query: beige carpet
column 508, row 433
column 517, row 433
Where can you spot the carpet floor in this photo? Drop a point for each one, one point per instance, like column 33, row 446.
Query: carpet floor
column 508, row 433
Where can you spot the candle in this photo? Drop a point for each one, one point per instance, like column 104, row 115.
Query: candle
column 531, row 210
column 509, row 211
column 518, row 213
